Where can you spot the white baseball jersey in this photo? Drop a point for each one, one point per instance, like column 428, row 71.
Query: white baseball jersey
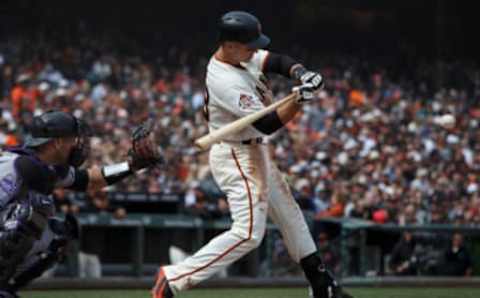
column 254, row 186
column 234, row 92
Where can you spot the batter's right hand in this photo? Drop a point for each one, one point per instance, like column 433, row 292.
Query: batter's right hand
column 305, row 92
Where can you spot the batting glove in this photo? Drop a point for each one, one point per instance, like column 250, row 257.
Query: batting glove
column 310, row 77
column 311, row 81
column 305, row 92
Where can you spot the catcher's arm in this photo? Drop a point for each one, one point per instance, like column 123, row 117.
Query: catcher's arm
column 143, row 154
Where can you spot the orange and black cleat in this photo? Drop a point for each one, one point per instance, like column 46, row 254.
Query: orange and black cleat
column 161, row 288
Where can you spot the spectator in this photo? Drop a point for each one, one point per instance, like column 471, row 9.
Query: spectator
column 335, row 209
column 403, row 260
column 457, row 260
column 359, row 211
column 407, row 216
column 198, row 203
column 63, row 204
column 100, row 203
column 303, row 194
column 23, row 96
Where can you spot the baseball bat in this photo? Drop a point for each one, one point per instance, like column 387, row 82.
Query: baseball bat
column 215, row 136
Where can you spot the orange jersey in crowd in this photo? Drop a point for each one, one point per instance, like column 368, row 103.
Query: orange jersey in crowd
column 23, row 99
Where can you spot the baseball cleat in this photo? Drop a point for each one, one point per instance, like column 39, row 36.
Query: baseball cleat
column 161, row 288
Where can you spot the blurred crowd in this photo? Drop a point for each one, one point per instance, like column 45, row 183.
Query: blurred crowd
column 376, row 144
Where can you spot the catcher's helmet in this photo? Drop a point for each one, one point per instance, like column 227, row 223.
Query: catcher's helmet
column 242, row 27
column 57, row 124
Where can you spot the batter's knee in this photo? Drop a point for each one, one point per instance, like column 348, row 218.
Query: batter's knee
column 252, row 238
column 255, row 237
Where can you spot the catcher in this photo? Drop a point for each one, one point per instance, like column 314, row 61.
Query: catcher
column 32, row 239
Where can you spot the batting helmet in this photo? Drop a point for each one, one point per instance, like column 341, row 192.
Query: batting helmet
column 242, row 27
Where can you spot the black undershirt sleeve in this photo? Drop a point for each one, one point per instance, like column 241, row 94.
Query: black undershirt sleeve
column 280, row 64
column 268, row 124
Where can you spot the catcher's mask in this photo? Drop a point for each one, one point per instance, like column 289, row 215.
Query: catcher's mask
column 57, row 124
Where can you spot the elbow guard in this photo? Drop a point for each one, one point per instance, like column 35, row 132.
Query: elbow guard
column 268, row 124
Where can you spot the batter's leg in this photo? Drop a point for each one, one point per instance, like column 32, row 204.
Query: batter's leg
column 232, row 172
column 286, row 214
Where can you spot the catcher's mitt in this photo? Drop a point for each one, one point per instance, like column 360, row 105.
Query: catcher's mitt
column 144, row 152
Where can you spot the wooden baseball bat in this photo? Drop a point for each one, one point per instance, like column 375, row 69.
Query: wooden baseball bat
column 215, row 136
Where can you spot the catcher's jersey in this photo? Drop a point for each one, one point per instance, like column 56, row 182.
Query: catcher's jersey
column 234, row 92
column 35, row 183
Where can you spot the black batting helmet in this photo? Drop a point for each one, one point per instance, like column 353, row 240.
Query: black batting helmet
column 242, row 27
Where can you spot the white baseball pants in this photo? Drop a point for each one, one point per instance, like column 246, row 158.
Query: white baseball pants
column 254, row 186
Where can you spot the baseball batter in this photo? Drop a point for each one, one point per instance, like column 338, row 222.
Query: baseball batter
column 242, row 164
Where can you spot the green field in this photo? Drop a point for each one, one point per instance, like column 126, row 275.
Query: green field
column 266, row 293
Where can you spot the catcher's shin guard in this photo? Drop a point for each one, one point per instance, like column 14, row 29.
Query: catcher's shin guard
column 42, row 264
column 22, row 227
column 65, row 231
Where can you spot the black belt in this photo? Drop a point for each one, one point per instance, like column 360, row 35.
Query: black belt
column 252, row 141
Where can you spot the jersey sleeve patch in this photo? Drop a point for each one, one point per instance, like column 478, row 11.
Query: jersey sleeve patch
column 237, row 99
column 246, row 102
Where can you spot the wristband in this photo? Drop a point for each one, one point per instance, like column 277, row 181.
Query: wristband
column 298, row 71
column 117, row 172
